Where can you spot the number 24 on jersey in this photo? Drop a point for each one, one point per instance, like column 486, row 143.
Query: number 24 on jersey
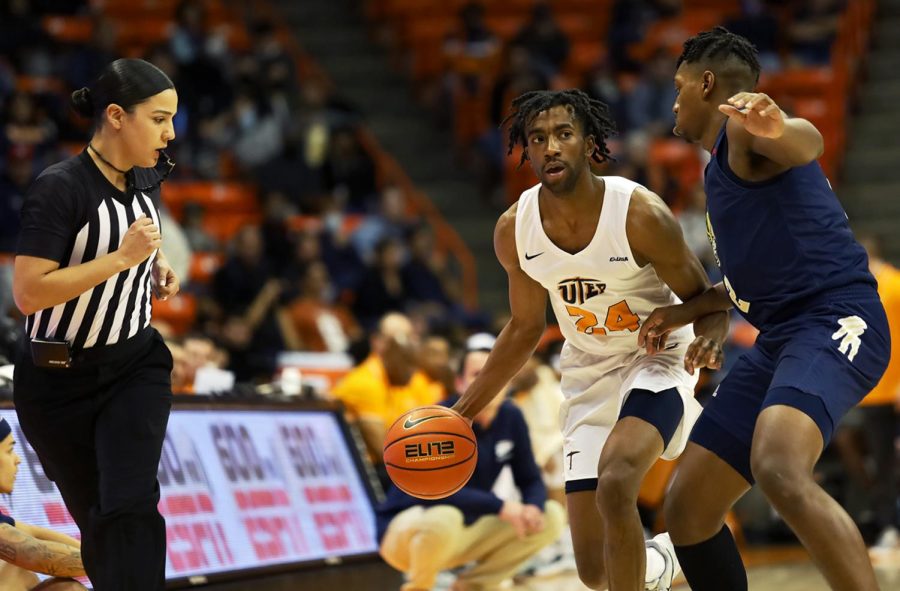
column 618, row 317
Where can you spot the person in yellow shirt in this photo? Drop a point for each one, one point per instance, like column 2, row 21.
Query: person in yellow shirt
column 387, row 384
column 870, row 429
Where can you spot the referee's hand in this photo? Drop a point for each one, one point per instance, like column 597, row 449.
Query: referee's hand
column 139, row 242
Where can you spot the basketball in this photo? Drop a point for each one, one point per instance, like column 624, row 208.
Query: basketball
column 430, row 452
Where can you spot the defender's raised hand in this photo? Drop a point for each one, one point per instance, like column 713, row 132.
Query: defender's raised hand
column 757, row 112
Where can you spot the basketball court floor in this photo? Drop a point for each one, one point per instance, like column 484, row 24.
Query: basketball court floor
column 783, row 569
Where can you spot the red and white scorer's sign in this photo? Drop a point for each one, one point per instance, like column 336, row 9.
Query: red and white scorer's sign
column 239, row 490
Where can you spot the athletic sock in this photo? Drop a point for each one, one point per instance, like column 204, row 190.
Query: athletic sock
column 656, row 565
column 714, row 564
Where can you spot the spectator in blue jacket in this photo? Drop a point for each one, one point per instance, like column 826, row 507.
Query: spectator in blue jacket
column 474, row 526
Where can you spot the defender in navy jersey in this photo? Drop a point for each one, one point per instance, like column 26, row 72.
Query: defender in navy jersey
column 92, row 378
column 793, row 269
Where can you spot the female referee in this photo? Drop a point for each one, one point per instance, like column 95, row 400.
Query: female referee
column 91, row 385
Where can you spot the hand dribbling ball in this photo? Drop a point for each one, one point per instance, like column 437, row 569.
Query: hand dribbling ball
column 430, row 452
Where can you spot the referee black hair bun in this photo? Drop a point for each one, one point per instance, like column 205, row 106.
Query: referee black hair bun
column 83, row 103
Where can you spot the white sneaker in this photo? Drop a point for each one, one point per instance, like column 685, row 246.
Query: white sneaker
column 663, row 544
column 889, row 539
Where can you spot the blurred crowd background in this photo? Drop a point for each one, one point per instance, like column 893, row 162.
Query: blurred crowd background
column 315, row 262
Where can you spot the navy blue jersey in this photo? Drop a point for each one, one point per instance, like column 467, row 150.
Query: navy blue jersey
column 780, row 243
column 7, row 519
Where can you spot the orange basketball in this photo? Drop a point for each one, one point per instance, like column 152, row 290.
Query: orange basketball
column 430, row 452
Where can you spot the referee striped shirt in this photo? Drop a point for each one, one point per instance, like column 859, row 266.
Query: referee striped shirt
column 72, row 214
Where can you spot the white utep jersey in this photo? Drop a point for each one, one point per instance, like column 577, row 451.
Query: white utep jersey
column 599, row 294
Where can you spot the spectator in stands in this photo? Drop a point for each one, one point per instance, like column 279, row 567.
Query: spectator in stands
column 867, row 434
column 390, row 221
column 182, row 374
column 518, row 74
column 313, row 321
column 199, row 351
column 601, row 83
column 247, row 292
column 693, row 225
column 758, row 23
column 472, row 40
column 349, row 172
column 277, row 68
column 425, row 270
column 277, row 238
column 386, row 384
column 628, row 26
column 289, row 173
column 192, row 225
column 255, row 132
column 434, row 361
column 545, row 41
column 536, row 391
column 470, row 527
column 191, row 41
column 202, row 56
column 29, row 549
column 382, row 289
column 14, row 180
column 23, row 39
column 649, row 105
column 26, row 123
column 85, row 62
column 812, row 29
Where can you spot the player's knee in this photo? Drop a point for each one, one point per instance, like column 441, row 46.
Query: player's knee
column 782, row 483
column 686, row 518
column 617, row 486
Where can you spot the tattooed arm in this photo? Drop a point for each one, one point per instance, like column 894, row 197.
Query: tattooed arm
column 48, row 535
column 40, row 556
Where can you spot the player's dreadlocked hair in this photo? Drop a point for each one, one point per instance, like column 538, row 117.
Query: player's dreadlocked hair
column 720, row 43
column 592, row 114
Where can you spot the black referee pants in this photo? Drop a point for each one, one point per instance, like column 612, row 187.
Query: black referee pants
column 98, row 429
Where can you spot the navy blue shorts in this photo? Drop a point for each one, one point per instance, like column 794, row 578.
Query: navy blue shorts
column 822, row 362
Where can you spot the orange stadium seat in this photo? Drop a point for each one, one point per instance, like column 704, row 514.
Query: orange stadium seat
column 516, row 179
column 505, row 26
column 300, row 223
column 39, row 84
column 223, row 226
column 204, row 265
column 107, row 6
column 178, row 311
column 578, row 28
column 215, row 197
column 69, row 29
column 583, row 56
column 678, row 160
column 144, row 31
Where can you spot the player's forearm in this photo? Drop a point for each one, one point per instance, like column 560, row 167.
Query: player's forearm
column 513, row 348
column 64, row 284
column 49, row 535
column 49, row 558
column 713, row 326
column 714, row 299
column 799, row 144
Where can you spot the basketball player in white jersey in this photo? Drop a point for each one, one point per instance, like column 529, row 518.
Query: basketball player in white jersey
column 609, row 252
